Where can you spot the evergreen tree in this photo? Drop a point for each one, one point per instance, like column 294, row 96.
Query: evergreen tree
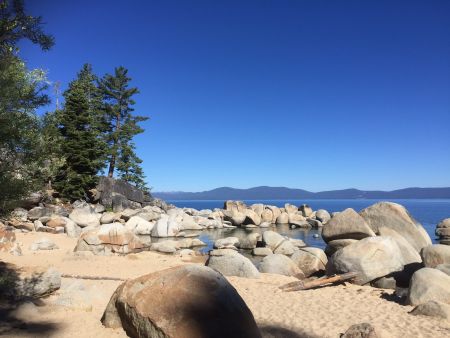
column 51, row 148
column 15, row 25
column 21, row 93
column 79, row 124
column 121, row 126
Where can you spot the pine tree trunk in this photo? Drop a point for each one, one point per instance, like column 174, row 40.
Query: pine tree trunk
column 112, row 162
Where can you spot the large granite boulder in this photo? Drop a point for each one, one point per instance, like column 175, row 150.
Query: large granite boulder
column 227, row 242
column 275, row 212
column 323, row 216
column 371, row 257
column 337, row 244
column 109, row 187
column 232, row 263
column 409, row 254
column 429, row 284
column 436, row 254
column 139, row 225
column 109, row 238
column 443, row 231
column 38, row 212
column 43, row 244
column 166, row 227
column 281, row 265
column 346, row 225
column 432, row 308
column 235, row 206
column 310, row 260
column 277, row 243
column 306, row 210
column 251, row 217
column 28, row 283
column 203, row 305
column 396, row 217
column 84, row 215
column 290, row 209
column 283, row 218
column 250, row 241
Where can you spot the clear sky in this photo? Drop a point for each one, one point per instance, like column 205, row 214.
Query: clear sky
column 317, row 95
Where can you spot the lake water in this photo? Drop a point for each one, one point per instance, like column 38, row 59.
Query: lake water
column 427, row 212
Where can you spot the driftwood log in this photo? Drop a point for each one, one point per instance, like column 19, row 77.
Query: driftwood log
column 305, row 285
column 65, row 275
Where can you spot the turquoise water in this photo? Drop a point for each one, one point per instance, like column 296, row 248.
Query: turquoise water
column 427, row 212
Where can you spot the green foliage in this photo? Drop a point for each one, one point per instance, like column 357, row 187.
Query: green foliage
column 15, row 25
column 79, row 124
column 120, row 126
column 21, row 92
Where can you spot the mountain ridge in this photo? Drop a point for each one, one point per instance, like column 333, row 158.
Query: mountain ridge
column 284, row 193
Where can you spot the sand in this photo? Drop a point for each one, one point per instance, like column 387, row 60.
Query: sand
column 75, row 310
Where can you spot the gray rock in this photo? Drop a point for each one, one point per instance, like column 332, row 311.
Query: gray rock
column 436, row 254
column 283, row 218
column 71, row 228
column 314, row 222
column 109, row 238
column 168, row 246
column 290, row 209
column 109, row 187
column 409, row 254
column 337, row 244
column 306, row 210
column 429, row 284
column 233, row 265
column 166, row 227
column 234, row 206
column 323, row 216
column 43, row 244
column 363, row 330
column 371, row 257
column 310, row 260
column 227, row 242
column 251, row 217
column 109, row 217
column 38, row 212
column 139, row 225
column 432, row 309
column 84, row 215
column 250, row 241
column 20, row 214
column 396, row 217
column 205, row 304
column 385, row 283
column 277, row 243
column 445, row 268
column 37, row 283
column 99, row 208
column 346, row 225
column 281, row 265
column 261, row 252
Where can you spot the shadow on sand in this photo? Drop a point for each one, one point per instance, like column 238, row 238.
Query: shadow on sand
column 273, row 331
column 10, row 301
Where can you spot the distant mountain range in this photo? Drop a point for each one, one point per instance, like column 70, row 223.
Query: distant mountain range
column 282, row 193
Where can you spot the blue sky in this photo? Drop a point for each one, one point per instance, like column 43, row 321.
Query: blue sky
column 317, row 95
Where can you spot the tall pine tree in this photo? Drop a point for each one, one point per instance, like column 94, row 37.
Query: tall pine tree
column 79, row 124
column 121, row 126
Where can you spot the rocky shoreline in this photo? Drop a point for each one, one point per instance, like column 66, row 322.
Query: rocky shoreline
column 386, row 247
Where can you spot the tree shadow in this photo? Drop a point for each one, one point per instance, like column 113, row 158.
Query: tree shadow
column 12, row 295
column 274, row 331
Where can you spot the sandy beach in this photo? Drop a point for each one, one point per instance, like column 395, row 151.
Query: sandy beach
column 75, row 310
